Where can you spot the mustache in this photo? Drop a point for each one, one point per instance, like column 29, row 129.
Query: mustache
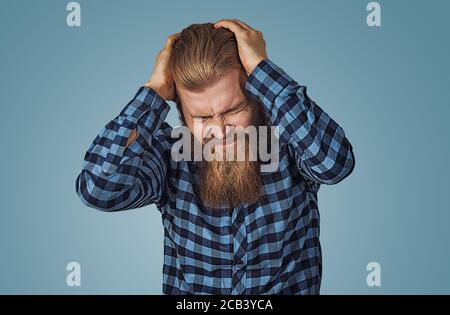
column 235, row 147
column 231, row 133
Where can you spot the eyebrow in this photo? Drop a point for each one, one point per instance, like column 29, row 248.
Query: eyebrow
column 233, row 108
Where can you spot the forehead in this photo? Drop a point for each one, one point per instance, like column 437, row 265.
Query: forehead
column 218, row 97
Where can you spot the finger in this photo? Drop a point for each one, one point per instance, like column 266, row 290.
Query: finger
column 229, row 24
column 171, row 40
column 242, row 24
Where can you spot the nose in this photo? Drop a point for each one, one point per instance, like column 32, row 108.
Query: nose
column 218, row 130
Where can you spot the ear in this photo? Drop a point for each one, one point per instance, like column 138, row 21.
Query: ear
column 175, row 89
column 243, row 80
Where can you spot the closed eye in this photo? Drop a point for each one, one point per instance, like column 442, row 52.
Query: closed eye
column 201, row 117
column 239, row 108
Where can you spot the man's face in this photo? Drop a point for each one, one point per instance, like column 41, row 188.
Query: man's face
column 209, row 115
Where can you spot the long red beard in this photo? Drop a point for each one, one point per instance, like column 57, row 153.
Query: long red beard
column 229, row 183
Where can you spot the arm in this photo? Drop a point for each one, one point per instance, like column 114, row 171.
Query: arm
column 126, row 165
column 116, row 174
column 322, row 152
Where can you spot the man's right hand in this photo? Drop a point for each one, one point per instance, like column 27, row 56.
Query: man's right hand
column 161, row 80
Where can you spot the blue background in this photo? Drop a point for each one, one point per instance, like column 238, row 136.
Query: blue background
column 388, row 87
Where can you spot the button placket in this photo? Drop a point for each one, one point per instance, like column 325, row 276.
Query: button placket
column 239, row 251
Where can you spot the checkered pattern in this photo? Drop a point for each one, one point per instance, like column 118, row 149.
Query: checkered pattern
column 269, row 247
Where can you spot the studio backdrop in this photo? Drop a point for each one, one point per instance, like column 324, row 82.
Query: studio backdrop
column 380, row 69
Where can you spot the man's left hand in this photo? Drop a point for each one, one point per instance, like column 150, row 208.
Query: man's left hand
column 251, row 44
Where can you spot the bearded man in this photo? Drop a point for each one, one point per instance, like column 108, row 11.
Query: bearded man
column 229, row 226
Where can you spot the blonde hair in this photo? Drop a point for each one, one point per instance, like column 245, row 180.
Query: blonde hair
column 202, row 54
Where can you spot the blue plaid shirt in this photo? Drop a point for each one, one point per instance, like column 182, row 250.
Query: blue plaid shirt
column 269, row 247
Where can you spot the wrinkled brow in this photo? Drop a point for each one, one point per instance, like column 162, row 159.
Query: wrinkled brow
column 239, row 106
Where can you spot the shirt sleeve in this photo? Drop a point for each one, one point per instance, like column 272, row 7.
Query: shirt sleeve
column 115, row 177
column 321, row 150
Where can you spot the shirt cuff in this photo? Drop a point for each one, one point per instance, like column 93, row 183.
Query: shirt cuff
column 145, row 99
column 267, row 81
column 146, row 111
